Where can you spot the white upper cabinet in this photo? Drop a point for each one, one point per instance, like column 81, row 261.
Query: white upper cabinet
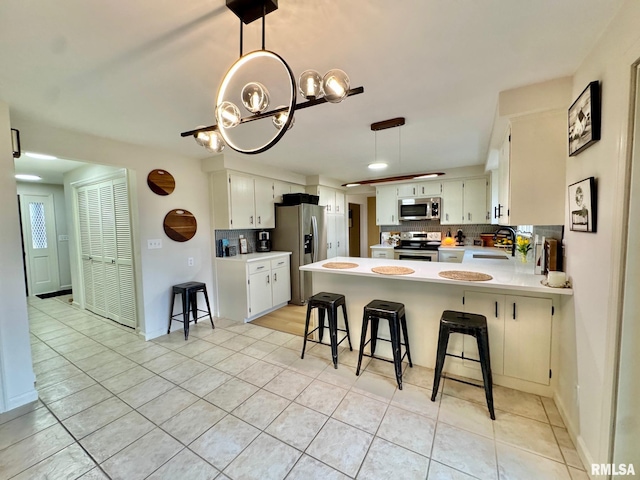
column 420, row 189
column 532, row 173
column 452, row 211
column 264, row 203
column 279, row 189
column 387, row 205
column 331, row 198
column 241, row 201
column 464, row 202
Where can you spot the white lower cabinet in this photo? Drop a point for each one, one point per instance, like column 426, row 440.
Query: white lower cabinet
column 519, row 335
column 382, row 252
column 251, row 288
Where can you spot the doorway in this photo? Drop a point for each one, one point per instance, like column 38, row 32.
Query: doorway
column 40, row 243
column 354, row 230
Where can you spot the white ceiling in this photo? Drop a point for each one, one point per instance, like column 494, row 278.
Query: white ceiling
column 146, row 70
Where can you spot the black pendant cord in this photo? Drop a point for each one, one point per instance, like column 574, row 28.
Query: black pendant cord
column 241, row 40
column 264, row 15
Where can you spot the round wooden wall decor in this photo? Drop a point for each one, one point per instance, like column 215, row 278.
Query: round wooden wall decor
column 180, row 225
column 161, row 182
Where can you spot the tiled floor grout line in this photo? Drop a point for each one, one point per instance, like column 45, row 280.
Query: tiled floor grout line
column 287, row 367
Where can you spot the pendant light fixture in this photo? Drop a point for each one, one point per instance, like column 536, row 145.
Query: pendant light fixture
column 271, row 80
column 380, row 165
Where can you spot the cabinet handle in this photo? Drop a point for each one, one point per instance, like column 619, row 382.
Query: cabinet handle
column 469, row 216
column 414, row 190
column 251, row 220
column 267, row 278
column 514, row 311
column 275, row 277
column 337, row 208
column 392, row 218
column 496, row 309
column 338, row 245
column 447, row 215
column 259, row 220
column 495, row 212
column 260, row 268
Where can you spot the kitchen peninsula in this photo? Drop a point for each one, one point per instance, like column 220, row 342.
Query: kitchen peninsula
column 521, row 313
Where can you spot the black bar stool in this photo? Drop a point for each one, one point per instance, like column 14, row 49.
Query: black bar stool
column 394, row 313
column 328, row 302
column 467, row 324
column 189, row 292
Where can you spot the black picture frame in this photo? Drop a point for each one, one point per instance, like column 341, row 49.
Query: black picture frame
column 584, row 119
column 583, row 206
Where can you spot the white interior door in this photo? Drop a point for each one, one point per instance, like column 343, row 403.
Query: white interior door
column 38, row 220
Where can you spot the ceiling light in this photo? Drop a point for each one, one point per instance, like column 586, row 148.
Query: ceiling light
column 397, row 178
column 265, row 68
column 377, row 166
column 40, row 156
column 30, row 178
column 352, row 185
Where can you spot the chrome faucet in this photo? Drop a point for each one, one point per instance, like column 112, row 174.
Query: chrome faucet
column 513, row 238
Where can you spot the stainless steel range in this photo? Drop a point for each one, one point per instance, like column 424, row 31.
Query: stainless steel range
column 421, row 246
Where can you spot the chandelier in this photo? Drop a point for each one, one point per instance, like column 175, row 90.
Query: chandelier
column 255, row 82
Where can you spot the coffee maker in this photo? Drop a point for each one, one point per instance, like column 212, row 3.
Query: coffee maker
column 263, row 244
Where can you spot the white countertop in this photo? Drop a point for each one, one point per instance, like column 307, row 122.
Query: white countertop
column 253, row 257
column 508, row 274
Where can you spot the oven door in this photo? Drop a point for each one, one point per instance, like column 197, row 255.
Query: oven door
column 416, row 255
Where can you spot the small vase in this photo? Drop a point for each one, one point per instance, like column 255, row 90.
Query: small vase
column 523, row 257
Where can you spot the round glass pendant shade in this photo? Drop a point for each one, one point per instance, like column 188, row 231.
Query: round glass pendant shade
column 228, row 115
column 310, row 84
column 335, row 85
column 255, row 97
column 202, row 138
column 216, row 144
column 280, row 119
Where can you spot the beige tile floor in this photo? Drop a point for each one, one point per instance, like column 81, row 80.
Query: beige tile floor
column 237, row 402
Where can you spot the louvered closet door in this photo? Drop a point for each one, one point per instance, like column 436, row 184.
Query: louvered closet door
column 106, row 250
column 109, row 249
column 85, row 247
column 95, row 243
column 124, row 254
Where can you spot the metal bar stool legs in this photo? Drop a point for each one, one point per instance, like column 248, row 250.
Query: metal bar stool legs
column 467, row 324
column 329, row 303
column 189, row 293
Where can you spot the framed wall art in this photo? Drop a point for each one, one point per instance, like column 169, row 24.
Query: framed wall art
column 583, row 205
column 584, row 119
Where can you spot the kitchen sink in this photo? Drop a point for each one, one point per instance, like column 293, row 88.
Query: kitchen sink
column 493, row 257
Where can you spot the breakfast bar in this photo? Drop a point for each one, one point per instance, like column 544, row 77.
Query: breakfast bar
column 521, row 312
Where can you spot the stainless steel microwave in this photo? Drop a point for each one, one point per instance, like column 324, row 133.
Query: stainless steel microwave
column 419, row 208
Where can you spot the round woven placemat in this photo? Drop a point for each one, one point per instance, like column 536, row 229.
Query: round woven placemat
column 462, row 275
column 392, row 270
column 340, row 265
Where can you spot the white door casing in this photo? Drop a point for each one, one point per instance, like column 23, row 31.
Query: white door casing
column 40, row 242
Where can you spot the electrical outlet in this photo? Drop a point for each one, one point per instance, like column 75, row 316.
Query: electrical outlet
column 154, row 243
column 63, row 238
column 190, row 261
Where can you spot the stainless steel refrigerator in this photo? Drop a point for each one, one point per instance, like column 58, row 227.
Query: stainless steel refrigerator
column 301, row 229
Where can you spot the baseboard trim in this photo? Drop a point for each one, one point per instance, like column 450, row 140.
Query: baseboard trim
column 20, row 400
column 578, row 441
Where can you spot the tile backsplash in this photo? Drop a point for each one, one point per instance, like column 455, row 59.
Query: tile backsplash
column 471, row 232
column 234, row 236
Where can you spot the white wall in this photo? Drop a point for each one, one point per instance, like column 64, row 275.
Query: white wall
column 156, row 270
column 57, row 191
column 16, row 370
column 588, row 343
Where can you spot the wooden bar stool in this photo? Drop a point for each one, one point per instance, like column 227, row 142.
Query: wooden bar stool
column 189, row 292
column 467, row 324
column 327, row 302
column 394, row 313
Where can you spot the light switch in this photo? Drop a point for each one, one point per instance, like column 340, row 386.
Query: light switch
column 154, row 243
column 63, row 238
